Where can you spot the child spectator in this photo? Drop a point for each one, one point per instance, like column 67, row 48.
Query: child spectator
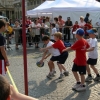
column 79, row 65
column 75, row 27
column 87, row 26
column 3, row 56
column 92, row 55
column 54, row 30
column 63, row 55
column 7, row 91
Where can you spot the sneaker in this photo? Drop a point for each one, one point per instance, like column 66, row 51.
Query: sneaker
column 54, row 72
column 61, row 76
column 49, row 76
column 75, row 86
column 88, row 79
column 97, row 78
column 66, row 73
column 81, row 88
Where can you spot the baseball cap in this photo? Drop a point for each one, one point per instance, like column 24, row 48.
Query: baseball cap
column 79, row 31
column 92, row 31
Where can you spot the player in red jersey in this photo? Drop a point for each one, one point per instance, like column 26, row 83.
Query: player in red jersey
column 80, row 61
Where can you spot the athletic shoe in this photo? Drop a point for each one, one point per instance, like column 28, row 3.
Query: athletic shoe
column 75, row 86
column 61, row 76
column 81, row 88
column 49, row 76
column 66, row 73
column 97, row 78
column 88, row 79
column 54, row 72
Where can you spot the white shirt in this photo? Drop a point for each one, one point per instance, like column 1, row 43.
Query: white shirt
column 54, row 30
column 53, row 51
column 81, row 24
column 93, row 43
column 37, row 30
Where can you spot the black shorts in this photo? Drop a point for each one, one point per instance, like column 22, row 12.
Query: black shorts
column 54, row 58
column 80, row 69
column 91, row 61
column 63, row 57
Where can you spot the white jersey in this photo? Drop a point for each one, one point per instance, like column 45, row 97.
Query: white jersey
column 93, row 43
column 54, row 30
column 54, row 52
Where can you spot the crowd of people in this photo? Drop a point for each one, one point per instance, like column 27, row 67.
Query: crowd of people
column 36, row 28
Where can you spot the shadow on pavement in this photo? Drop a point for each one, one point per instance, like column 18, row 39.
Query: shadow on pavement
column 43, row 88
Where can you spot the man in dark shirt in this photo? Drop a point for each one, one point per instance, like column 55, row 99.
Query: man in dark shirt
column 86, row 19
column 3, row 56
column 68, row 26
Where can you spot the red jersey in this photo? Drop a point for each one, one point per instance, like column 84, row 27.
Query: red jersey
column 80, row 47
column 59, row 45
column 87, row 27
column 28, row 22
column 75, row 27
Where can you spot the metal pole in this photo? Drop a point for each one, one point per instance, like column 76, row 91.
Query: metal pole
column 24, row 48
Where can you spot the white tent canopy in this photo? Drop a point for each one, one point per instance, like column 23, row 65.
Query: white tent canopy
column 42, row 6
column 72, row 8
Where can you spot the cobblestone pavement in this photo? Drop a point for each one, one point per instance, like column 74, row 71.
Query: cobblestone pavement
column 41, row 87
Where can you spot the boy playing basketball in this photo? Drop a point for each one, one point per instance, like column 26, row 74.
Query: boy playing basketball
column 63, row 55
column 79, row 65
column 92, row 55
column 3, row 56
column 55, row 57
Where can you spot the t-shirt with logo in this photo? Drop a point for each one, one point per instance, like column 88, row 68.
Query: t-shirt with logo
column 59, row 45
column 80, row 47
column 2, row 42
column 93, row 44
column 53, row 51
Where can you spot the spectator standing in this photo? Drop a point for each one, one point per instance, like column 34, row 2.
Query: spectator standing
column 98, row 24
column 87, row 26
column 82, row 22
column 56, row 23
column 17, row 33
column 86, row 19
column 75, row 27
column 67, row 29
column 54, row 30
column 37, row 33
column 61, row 23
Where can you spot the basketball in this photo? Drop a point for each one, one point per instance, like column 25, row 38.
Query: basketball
column 40, row 64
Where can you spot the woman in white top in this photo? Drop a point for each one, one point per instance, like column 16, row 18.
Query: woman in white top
column 37, row 27
column 82, row 22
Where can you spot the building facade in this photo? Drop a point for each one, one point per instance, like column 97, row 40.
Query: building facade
column 29, row 4
column 6, row 8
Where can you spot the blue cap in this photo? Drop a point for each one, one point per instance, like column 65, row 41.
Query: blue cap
column 79, row 31
column 90, row 31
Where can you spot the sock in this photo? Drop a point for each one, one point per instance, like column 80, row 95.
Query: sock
column 89, row 75
column 60, row 72
column 98, row 75
column 50, row 73
column 53, row 69
column 78, row 82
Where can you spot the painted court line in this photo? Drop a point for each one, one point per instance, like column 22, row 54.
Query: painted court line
column 13, row 83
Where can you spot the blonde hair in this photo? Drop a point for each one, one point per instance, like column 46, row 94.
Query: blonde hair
column 58, row 35
column 81, row 17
